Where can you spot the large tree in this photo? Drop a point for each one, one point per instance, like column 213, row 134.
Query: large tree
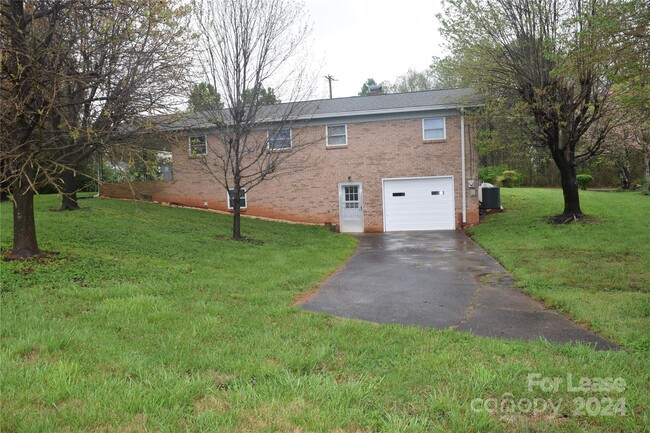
column 29, row 84
column 133, row 57
column 546, row 56
column 265, row 96
column 73, row 74
column 204, row 97
column 245, row 45
column 365, row 88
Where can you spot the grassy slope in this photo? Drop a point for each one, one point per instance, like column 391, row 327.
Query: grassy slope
column 146, row 322
column 596, row 272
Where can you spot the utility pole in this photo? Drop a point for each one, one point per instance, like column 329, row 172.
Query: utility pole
column 329, row 78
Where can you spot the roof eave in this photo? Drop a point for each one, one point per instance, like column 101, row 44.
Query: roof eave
column 378, row 112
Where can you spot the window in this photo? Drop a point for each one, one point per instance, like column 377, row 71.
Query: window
column 242, row 198
column 351, row 196
column 337, row 135
column 434, row 128
column 165, row 170
column 280, row 139
column 198, row 145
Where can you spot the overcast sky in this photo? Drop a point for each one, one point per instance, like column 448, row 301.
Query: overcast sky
column 355, row 40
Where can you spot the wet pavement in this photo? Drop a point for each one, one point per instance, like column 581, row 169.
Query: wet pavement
column 440, row 280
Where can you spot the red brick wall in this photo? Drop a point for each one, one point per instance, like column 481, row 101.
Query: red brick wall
column 375, row 150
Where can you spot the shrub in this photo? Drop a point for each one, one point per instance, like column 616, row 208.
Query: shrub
column 490, row 173
column 509, row 179
column 584, row 180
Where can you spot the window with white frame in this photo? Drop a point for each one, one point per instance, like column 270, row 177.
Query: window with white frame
column 433, row 128
column 280, row 139
column 351, row 196
column 242, row 198
column 198, row 145
column 337, row 135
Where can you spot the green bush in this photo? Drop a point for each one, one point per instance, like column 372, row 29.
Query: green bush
column 490, row 173
column 584, row 180
column 509, row 179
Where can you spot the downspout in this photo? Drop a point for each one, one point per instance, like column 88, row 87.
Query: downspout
column 462, row 164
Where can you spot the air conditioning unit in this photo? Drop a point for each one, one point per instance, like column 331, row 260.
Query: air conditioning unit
column 491, row 197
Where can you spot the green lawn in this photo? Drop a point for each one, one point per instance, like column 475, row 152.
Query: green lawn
column 596, row 272
column 148, row 320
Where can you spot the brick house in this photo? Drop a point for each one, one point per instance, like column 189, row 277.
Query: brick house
column 374, row 163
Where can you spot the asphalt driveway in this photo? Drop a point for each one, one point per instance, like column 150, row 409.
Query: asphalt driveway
column 440, row 280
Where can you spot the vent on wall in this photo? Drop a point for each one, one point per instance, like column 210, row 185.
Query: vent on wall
column 399, row 194
column 144, row 197
column 437, row 193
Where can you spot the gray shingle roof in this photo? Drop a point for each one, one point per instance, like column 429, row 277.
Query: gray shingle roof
column 398, row 101
column 341, row 107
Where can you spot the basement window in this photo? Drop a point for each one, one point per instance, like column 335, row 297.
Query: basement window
column 242, row 198
column 433, row 128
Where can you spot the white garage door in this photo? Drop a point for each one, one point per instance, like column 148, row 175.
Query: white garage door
column 424, row 203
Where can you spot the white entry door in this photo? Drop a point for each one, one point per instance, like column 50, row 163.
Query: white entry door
column 424, row 203
column 351, row 207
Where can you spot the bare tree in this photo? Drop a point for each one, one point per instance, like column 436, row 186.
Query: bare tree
column 73, row 74
column 628, row 142
column 643, row 140
column 413, row 81
column 620, row 148
column 630, row 25
column 133, row 57
column 548, row 56
column 245, row 45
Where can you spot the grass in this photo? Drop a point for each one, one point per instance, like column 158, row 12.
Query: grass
column 596, row 272
column 148, row 320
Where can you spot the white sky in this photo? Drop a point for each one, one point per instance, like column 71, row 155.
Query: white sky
column 359, row 39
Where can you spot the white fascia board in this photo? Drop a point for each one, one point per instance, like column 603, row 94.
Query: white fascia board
column 384, row 111
column 352, row 114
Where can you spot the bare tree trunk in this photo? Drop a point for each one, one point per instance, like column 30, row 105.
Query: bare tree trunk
column 563, row 154
column 646, row 162
column 236, row 201
column 3, row 182
column 236, row 223
column 25, row 244
column 69, row 189
column 624, row 173
column 622, row 161
column 570, row 188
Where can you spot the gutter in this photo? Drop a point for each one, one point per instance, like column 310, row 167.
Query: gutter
column 462, row 163
column 379, row 111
